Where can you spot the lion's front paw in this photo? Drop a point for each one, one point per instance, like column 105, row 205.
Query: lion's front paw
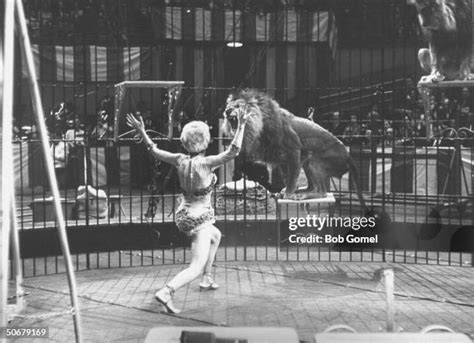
column 295, row 196
column 305, row 195
column 469, row 77
column 300, row 196
column 433, row 77
column 290, row 195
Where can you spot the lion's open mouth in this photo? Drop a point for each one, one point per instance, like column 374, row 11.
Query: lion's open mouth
column 233, row 121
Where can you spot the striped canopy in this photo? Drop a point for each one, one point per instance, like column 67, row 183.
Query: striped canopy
column 286, row 67
column 284, row 26
column 180, row 25
column 90, row 63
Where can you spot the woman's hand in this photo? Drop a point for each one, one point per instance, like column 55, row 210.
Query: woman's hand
column 134, row 123
column 243, row 115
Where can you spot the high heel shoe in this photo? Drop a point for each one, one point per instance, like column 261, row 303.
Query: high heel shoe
column 208, row 284
column 161, row 297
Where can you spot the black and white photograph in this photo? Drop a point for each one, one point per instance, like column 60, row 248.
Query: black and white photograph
column 248, row 171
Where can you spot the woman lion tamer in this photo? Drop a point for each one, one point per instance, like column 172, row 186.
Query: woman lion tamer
column 195, row 215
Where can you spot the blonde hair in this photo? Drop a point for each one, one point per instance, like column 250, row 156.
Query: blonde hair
column 195, row 136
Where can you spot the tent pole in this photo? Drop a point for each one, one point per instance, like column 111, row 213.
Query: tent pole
column 16, row 259
column 6, row 169
column 38, row 107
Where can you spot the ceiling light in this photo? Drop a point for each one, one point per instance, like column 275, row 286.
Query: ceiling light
column 234, row 44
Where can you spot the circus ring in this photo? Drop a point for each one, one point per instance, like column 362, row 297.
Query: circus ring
column 122, row 259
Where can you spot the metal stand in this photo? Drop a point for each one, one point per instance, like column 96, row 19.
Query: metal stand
column 329, row 200
column 173, row 89
column 426, row 94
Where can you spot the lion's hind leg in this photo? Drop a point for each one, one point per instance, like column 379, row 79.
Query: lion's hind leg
column 293, row 169
column 310, row 181
column 317, row 182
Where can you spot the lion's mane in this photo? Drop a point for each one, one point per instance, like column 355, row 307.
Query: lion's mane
column 266, row 135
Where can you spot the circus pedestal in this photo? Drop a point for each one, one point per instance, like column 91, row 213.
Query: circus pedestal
column 298, row 218
column 461, row 139
column 43, row 209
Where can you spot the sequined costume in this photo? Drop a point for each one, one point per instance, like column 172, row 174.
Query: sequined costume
column 197, row 180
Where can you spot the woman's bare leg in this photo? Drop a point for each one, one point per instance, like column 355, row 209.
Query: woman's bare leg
column 200, row 248
column 215, row 241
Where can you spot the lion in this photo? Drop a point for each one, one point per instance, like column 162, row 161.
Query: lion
column 277, row 138
column 446, row 25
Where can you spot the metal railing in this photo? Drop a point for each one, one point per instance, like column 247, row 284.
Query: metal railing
column 424, row 190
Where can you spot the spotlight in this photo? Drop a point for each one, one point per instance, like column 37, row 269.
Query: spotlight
column 234, row 44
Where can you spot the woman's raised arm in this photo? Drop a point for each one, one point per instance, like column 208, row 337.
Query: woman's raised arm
column 234, row 149
column 160, row 154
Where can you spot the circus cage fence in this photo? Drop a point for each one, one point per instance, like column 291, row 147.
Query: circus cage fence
column 415, row 160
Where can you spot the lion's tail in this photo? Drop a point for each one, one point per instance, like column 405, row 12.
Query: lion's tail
column 356, row 182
